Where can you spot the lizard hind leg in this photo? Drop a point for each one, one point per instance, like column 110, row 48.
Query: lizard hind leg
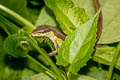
column 56, row 49
column 52, row 53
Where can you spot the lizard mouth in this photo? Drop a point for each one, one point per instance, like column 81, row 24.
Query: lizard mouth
column 35, row 34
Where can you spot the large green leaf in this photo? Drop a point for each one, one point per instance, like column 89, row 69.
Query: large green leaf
column 68, row 15
column 46, row 17
column 77, row 48
column 111, row 18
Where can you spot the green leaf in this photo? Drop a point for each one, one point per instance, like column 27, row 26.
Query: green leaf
column 77, row 48
column 15, row 45
column 111, row 18
column 46, row 17
column 67, row 14
column 104, row 55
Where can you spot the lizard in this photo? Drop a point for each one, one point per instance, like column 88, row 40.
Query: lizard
column 52, row 33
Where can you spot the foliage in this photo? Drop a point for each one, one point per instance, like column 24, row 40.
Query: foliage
column 23, row 57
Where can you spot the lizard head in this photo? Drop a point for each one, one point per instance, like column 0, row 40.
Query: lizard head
column 41, row 31
column 47, row 31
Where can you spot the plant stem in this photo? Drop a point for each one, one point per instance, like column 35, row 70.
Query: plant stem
column 50, row 44
column 69, row 76
column 42, row 66
column 100, row 20
column 17, row 16
column 116, row 54
column 30, row 39
column 4, row 28
column 52, row 48
column 8, row 26
column 41, row 58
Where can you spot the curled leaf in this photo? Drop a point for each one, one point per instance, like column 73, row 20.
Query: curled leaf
column 16, row 45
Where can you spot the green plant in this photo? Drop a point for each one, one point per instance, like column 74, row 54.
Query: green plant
column 74, row 53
